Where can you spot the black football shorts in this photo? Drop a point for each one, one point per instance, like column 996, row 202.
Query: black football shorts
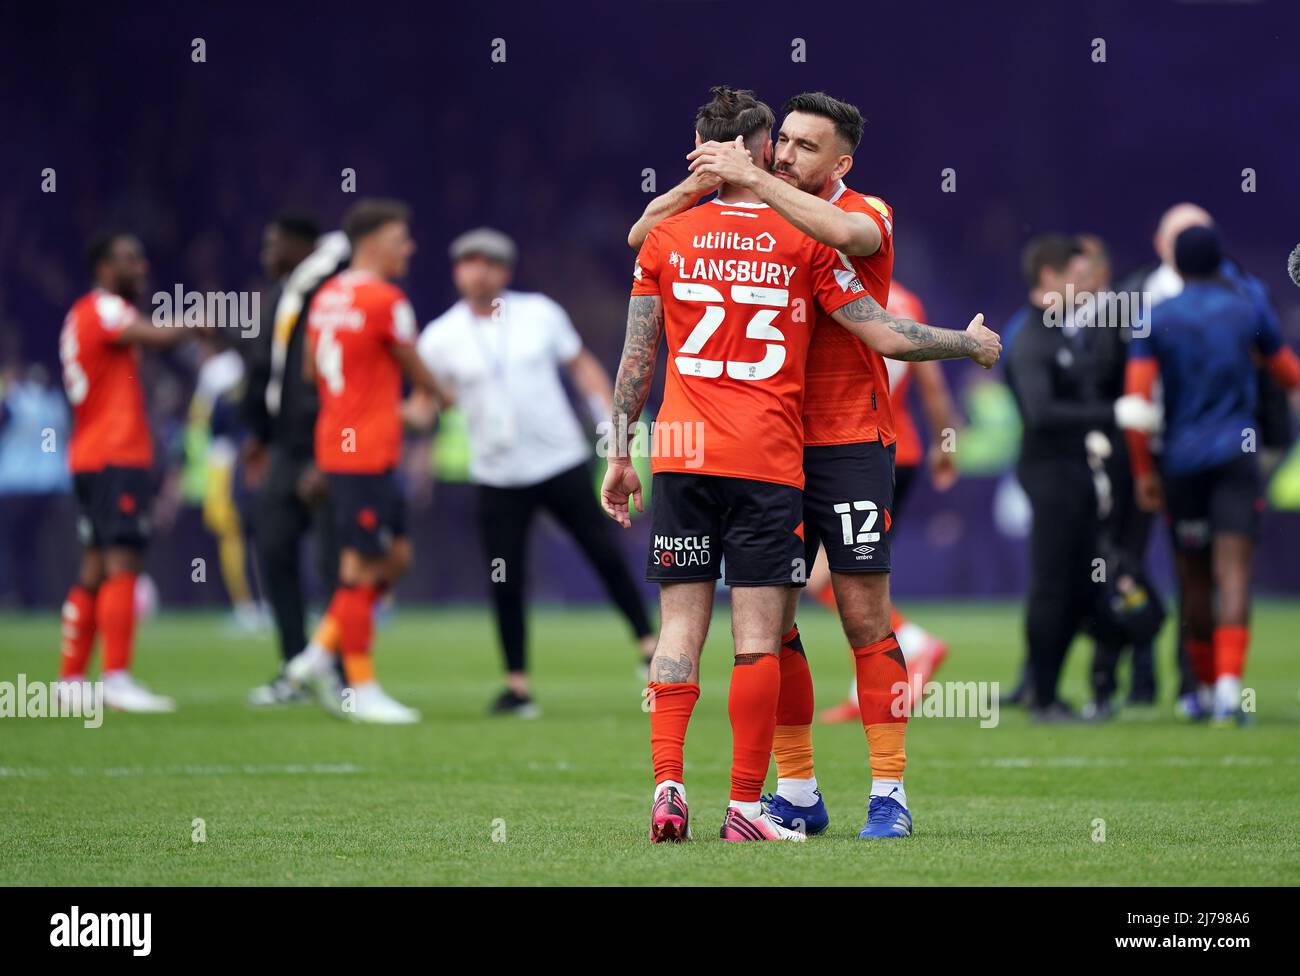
column 848, row 505
column 113, row 507
column 1225, row 498
column 698, row 520
column 369, row 511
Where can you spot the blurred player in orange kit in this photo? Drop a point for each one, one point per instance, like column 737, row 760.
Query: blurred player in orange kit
column 729, row 283
column 361, row 340
column 922, row 651
column 111, row 457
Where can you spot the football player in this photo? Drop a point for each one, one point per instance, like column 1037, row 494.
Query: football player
column 361, row 341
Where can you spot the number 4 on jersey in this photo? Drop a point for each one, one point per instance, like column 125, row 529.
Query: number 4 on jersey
column 329, row 360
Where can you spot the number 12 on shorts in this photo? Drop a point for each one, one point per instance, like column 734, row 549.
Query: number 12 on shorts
column 866, row 533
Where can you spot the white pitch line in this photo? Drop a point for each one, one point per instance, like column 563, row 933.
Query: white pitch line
column 1103, row 762
column 291, row 769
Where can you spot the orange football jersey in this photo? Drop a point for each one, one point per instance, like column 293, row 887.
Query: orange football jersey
column 848, row 388
column 741, row 288
column 353, row 321
column 102, row 379
column 908, row 450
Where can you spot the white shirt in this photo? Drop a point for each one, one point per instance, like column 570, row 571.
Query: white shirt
column 1163, row 284
column 503, row 371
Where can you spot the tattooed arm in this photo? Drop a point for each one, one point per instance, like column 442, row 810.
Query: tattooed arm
column 636, row 370
column 899, row 338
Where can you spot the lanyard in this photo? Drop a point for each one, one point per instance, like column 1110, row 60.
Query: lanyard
column 496, row 363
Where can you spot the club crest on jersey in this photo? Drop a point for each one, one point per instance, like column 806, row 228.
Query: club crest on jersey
column 730, row 240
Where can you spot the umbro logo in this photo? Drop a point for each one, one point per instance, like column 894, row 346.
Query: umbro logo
column 864, row 550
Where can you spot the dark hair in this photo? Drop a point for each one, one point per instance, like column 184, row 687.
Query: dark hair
column 1095, row 243
column 1047, row 251
column 1198, row 252
column 848, row 120
column 366, row 216
column 101, row 245
column 298, row 224
column 732, row 112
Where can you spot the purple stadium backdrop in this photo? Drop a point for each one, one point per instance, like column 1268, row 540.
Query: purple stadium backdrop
column 552, row 145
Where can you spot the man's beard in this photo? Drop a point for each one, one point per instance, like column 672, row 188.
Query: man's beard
column 814, row 188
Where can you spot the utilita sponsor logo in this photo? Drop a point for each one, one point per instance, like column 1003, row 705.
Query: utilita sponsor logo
column 102, row 930
column 730, row 240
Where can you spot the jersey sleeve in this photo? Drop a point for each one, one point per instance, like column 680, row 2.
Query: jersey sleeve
column 834, row 282
column 645, row 274
column 113, row 314
column 880, row 212
column 400, row 327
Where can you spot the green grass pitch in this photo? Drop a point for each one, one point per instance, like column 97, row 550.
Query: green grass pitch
column 293, row 797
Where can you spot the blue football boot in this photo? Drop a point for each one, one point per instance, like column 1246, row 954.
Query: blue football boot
column 811, row 820
column 886, row 817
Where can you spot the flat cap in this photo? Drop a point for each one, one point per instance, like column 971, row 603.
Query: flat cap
column 484, row 242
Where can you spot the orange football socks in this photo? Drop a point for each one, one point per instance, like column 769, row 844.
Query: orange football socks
column 1230, row 650
column 115, row 618
column 353, row 609
column 751, row 704
column 792, row 742
column 327, row 634
column 881, row 672
column 78, row 632
column 1201, row 654
column 670, row 704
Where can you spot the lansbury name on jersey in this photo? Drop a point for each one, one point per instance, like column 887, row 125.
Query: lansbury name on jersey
column 734, row 269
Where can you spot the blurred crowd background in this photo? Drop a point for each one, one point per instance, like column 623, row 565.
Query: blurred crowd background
column 552, row 146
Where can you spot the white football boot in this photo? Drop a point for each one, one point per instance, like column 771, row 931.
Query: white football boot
column 372, row 704
column 314, row 668
column 124, row 694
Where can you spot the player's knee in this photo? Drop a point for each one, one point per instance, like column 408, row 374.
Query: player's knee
column 121, row 559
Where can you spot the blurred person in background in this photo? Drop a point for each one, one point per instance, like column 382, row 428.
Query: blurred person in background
column 1055, row 370
column 216, row 434
column 1126, row 527
column 360, row 345
column 1159, row 282
column 497, row 354
column 1205, row 347
column 111, row 455
column 34, row 424
column 923, row 651
column 278, row 413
